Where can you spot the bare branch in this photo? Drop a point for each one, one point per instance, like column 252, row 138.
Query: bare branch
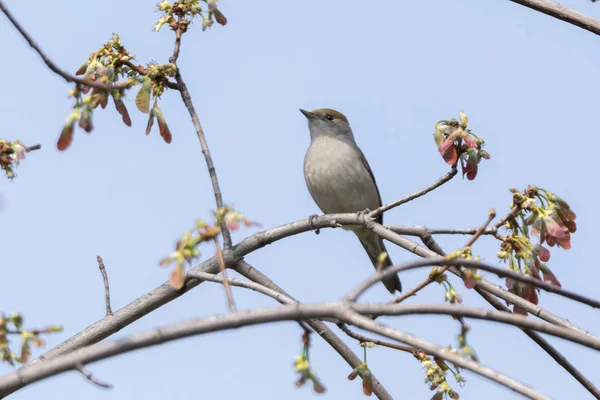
column 363, row 339
column 106, row 288
column 389, row 271
column 340, row 310
column 415, row 195
column 66, row 76
column 187, row 100
column 34, row 147
column 563, row 13
column 280, row 297
column 547, row 347
column 90, row 377
column 164, row 293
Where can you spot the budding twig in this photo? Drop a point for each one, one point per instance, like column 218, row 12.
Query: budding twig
column 106, row 288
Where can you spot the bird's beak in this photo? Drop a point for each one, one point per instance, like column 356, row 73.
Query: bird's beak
column 308, row 114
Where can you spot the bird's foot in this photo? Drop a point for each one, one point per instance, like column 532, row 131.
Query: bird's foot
column 362, row 214
column 311, row 222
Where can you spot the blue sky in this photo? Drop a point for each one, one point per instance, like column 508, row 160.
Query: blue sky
column 528, row 82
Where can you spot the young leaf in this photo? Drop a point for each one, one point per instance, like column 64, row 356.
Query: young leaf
column 142, row 100
column 85, row 121
column 177, row 278
column 120, row 106
column 66, row 135
column 165, row 133
column 150, row 122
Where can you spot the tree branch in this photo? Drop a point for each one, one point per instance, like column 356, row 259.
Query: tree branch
column 106, row 288
column 53, row 67
column 318, row 326
column 339, row 310
column 482, row 284
column 563, row 13
column 540, row 341
column 187, row 100
column 392, row 270
column 363, row 339
column 447, row 177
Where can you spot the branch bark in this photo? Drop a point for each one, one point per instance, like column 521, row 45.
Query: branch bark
column 342, row 311
column 563, row 13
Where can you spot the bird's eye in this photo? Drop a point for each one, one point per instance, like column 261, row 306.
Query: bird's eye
column 329, row 117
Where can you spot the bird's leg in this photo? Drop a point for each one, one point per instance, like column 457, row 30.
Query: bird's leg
column 312, row 227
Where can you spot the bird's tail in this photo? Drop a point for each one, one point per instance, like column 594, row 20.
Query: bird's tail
column 374, row 246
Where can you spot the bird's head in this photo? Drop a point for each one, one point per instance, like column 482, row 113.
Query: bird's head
column 328, row 122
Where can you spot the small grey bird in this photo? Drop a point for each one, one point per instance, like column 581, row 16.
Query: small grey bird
column 340, row 180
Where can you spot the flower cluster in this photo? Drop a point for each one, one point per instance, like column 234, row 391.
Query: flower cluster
column 10, row 155
column 302, row 366
column 364, row 371
column 107, row 66
column 535, row 212
column 186, row 249
column 180, row 14
column 13, row 325
column 112, row 65
column 455, row 142
column 435, row 375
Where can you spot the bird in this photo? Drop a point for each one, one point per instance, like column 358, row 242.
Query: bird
column 340, row 180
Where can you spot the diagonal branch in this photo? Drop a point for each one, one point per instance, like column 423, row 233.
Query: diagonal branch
column 392, row 270
column 540, row 341
column 187, row 100
column 53, row 67
column 563, row 13
column 447, row 177
column 318, row 326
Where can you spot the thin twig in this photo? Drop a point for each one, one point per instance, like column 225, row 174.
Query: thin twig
column 177, row 47
column 187, row 100
column 491, row 216
column 34, row 147
column 418, row 230
column 563, row 13
column 460, row 262
column 431, row 277
column 106, row 288
column 363, row 339
column 90, row 377
column 448, row 176
column 223, row 267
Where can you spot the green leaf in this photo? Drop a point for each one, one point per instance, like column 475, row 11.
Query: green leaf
column 142, row 100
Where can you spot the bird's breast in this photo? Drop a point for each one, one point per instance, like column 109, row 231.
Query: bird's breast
column 337, row 178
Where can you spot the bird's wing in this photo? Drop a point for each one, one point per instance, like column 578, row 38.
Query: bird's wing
column 366, row 164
